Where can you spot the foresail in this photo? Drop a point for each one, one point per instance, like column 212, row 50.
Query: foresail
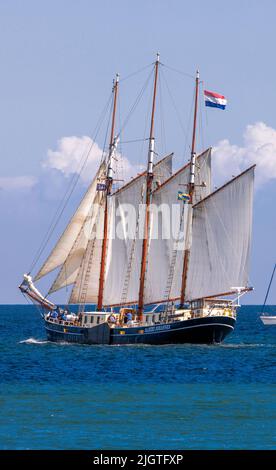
column 66, row 242
column 221, row 238
column 171, row 230
column 70, row 268
column 86, row 285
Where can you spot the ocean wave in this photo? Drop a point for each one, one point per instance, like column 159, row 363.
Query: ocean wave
column 44, row 341
column 246, row 345
column 33, row 341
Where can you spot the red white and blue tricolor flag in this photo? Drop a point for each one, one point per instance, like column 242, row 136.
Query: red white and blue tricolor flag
column 214, row 100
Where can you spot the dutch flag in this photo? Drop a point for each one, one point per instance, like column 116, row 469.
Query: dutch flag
column 214, row 100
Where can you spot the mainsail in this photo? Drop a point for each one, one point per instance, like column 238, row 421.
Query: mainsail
column 125, row 240
column 221, row 236
column 170, row 230
column 122, row 274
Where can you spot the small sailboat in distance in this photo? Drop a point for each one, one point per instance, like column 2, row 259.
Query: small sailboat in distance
column 158, row 256
column 268, row 319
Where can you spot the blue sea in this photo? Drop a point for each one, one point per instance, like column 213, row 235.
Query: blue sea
column 60, row 396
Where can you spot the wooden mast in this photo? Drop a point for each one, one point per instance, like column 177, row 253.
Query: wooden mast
column 109, row 180
column 148, row 199
column 191, row 193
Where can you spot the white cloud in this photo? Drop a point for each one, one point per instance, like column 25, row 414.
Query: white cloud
column 259, row 147
column 11, row 183
column 72, row 151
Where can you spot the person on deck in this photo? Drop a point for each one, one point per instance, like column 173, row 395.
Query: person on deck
column 111, row 319
column 128, row 319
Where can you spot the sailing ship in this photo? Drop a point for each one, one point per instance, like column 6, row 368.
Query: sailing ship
column 149, row 286
column 266, row 318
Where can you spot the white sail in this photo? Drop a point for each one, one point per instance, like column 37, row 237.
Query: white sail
column 222, row 223
column 86, row 282
column 69, row 270
column 170, row 230
column 122, row 277
column 85, row 269
column 125, row 247
column 64, row 245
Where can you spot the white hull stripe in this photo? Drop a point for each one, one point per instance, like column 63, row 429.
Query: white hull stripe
column 175, row 329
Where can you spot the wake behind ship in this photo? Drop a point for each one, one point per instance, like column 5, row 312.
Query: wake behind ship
column 164, row 258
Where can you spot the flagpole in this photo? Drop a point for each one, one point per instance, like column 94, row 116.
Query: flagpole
column 191, row 192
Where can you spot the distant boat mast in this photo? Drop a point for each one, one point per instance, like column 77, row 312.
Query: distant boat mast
column 268, row 289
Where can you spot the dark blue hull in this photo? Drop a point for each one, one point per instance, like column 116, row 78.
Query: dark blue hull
column 206, row 330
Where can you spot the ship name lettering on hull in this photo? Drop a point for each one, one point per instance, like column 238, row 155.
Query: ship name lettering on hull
column 158, row 328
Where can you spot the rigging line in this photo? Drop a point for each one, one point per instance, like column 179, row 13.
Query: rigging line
column 179, row 71
column 66, row 198
column 201, row 127
column 185, row 131
column 136, row 102
column 119, row 162
column 118, row 154
column 141, row 154
column 131, row 141
column 32, row 302
column 135, row 73
column 90, row 215
column 104, row 154
column 162, row 121
column 106, row 149
column 189, row 125
column 68, row 193
column 203, row 99
column 104, row 157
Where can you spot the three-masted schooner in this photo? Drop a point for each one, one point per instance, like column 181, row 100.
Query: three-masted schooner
column 160, row 256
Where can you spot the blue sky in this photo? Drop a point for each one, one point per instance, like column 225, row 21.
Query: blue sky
column 58, row 59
